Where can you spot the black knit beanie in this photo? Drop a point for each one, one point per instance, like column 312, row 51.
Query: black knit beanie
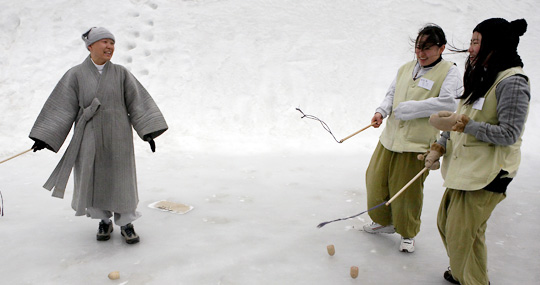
column 500, row 35
column 498, row 52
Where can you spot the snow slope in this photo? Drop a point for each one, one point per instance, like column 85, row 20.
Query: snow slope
column 228, row 75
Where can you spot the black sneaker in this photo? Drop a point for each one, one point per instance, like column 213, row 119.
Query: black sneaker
column 448, row 277
column 104, row 231
column 128, row 232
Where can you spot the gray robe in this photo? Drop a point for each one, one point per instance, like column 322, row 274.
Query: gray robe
column 104, row 107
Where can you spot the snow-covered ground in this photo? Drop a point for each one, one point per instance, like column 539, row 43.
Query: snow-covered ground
column 228, row 76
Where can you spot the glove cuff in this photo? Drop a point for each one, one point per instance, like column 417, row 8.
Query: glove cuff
column 438, row 148
column 464, row 119
column 461, row 123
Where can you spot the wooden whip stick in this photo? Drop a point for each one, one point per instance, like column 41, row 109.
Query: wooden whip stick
column 372, row 124
column 15, row 156
column 406, row 185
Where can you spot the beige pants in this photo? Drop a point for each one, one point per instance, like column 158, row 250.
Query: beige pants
column 462, row 222
column 387, row 173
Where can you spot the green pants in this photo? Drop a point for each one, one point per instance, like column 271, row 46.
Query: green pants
column 387, row 173
column 462, row 222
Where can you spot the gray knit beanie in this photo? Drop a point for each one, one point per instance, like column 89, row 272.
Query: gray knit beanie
column 95, row 34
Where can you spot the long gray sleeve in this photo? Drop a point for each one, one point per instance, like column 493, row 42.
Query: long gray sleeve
column 57, row 116
column 513, row 96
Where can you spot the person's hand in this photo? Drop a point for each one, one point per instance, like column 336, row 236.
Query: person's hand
column 431, row 157
column 39, row 145
column 448, row 121
column 444, row 120
column 377, row 119
column 149, row 139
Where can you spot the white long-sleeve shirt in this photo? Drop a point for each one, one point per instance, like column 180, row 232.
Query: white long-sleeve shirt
column 452, row 87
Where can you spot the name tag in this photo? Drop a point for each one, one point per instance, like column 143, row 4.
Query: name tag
column 479, row 103
column 425, row 83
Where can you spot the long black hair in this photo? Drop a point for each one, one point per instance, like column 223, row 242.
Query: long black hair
column 498, row 52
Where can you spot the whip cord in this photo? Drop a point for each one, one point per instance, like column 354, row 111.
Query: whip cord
column 342, row 219
column 324, row 125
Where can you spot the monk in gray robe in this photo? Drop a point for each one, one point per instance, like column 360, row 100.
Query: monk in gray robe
column 104, row 101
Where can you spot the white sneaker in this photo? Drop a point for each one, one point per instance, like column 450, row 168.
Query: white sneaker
column 407, row 245
column 375, row 228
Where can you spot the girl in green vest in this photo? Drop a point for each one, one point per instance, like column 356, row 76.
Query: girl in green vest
column 482, row 142
column 422, row 87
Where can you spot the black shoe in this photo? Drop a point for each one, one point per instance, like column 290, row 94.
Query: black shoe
column 104, row 231
column 128, row 232
column 448, row 277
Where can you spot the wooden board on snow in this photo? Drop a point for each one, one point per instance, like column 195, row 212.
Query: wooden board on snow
column 168, row 206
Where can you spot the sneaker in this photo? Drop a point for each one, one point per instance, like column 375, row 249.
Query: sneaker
column 375, row 228
column 407, row 245
column 448, row 277
column 128, row 232
column 104, row 231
